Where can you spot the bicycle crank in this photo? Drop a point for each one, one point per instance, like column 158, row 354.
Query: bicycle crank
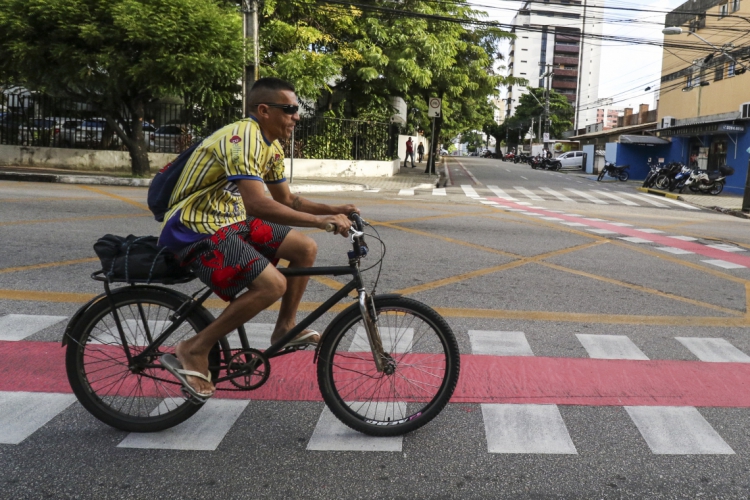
column 248, row 369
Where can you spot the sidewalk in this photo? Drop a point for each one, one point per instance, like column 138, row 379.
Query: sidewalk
column 729, row 204
column 406, row 178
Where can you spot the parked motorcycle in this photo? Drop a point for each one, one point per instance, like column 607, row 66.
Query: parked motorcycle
column 704, row 181
column 679, row 180
column 536, row 162
column 614, row 171
column 551, row 164
column 653, row 173
column 666, row 174
column 509, row 156
column 486, row 154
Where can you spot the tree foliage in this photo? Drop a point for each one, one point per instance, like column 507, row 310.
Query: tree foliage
column 120, row 55
column 528, row 109
column 338, row 52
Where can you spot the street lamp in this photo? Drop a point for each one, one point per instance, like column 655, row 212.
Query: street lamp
column 675, row 30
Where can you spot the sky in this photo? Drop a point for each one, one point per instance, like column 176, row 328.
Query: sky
column 626, row 70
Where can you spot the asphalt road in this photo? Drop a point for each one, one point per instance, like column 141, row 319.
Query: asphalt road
column 619, row 366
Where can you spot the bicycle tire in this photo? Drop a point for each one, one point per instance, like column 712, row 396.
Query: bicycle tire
column 134, row 402
column 411, row 332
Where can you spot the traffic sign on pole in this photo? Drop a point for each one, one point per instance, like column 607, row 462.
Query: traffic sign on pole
column 433, row 110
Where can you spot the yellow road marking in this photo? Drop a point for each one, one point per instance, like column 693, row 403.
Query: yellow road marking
column 115, row 196
column 448, row 239
column 451, row 312
column 70, row 219
column 480, row 272
column 641, row 288
column 48, row 264
column 681, row 262
column 51, row 198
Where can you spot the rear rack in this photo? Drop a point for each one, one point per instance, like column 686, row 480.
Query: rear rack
column 100, row 276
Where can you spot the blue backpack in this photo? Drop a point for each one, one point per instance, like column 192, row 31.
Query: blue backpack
column 163, row 183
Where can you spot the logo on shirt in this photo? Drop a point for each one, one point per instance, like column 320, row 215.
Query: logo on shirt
column 235, row 139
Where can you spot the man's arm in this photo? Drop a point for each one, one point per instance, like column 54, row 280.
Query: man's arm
column 271, row 210
column 281, row 193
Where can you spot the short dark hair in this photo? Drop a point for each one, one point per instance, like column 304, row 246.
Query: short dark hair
column 263, row 90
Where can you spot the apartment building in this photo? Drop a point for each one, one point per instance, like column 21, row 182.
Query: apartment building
column 608, row 116
column 550, row 32
column 704, row 106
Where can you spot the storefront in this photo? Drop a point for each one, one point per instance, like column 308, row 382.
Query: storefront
column 709, row 145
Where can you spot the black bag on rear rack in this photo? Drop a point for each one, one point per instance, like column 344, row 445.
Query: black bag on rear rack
column 137, row 259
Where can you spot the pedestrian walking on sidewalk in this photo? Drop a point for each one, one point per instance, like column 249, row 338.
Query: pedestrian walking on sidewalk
column 420, row 152
column 409, row 152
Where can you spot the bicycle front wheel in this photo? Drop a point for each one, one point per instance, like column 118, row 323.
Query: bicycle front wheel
column 424, row 365
column 144, row 398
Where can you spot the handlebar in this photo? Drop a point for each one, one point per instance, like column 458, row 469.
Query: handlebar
column 358, row 223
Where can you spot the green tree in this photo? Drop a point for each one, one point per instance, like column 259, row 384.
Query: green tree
column 363, row 54
column 561, row 112
column 120, row 55
column 474, row 140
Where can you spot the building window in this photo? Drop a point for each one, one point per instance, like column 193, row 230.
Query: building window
column 735, row 5
column 719, row 73
column 723, row 10
column 730, row 69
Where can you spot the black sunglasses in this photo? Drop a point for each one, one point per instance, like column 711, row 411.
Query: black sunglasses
column 288, row 109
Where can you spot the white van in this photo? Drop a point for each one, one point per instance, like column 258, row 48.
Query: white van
column 571, row 159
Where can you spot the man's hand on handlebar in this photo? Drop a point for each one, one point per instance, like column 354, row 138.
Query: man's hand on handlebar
column 341, row 224
column 347, row 209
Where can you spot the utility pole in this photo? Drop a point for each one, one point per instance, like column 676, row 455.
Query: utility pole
column 250, row 31
column 548, row 75
column 580, row 70
column 531, row 134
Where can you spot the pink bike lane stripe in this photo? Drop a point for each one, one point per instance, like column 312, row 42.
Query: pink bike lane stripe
column 689, row 246
column 40, row 367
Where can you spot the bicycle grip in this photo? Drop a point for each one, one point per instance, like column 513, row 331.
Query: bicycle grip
column 330, row 227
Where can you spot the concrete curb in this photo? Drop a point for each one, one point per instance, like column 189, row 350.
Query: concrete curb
column 660, row 193
column 102, row 180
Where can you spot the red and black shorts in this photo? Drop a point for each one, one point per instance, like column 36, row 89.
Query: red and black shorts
column 230, row 259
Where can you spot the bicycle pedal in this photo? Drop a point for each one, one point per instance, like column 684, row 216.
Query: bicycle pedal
column 192, row 399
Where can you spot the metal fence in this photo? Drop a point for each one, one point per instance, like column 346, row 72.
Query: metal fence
column 30, row 119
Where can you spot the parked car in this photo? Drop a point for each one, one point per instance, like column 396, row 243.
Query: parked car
column 172, row 138
column 571, row 159
column 82, row 133
column 38, row 132
column 9, row 125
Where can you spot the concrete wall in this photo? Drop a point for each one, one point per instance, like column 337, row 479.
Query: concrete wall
column 637, row 157
column 340, row 168
column 76, row 159
column 415, row 139
column 119, row 161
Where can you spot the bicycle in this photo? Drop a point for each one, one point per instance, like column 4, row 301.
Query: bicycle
column 386, row 365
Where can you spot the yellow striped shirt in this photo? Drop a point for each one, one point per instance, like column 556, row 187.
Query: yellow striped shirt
column 206, row 193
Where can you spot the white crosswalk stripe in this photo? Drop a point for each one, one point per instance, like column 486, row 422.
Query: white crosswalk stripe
column 520, row 428
column 469, row 191
column 500, row 193
column 14, row 327
column 393, row 339
column 529, row 194
column 610, row 347
column 678, row 203
column 258, row 336
column 332, row 435
column 713, row 350
column 591, row 198
column 647, row 199
column 439, row 192
column 406, row 192
column 497, row 343
column 616, row 198
column 727, row 248
column 723, row 264
column 557, row 195
column 203, row 431
column 23, row 413
column 677, row 430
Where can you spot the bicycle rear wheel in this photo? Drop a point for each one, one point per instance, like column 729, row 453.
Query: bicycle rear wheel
column 135, row 399
column 424, row 357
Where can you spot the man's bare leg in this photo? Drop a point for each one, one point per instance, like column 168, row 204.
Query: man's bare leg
column 262, row 293
column 300, row 250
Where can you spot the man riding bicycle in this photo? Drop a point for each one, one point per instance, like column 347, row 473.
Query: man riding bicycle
column 221, row 225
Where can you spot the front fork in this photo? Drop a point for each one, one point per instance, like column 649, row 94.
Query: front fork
column 370, row 317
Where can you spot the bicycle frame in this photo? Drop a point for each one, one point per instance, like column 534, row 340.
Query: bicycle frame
column 277, row 349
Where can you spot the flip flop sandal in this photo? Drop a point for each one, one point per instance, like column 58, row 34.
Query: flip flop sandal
column 173, row 366
column 302, row 340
